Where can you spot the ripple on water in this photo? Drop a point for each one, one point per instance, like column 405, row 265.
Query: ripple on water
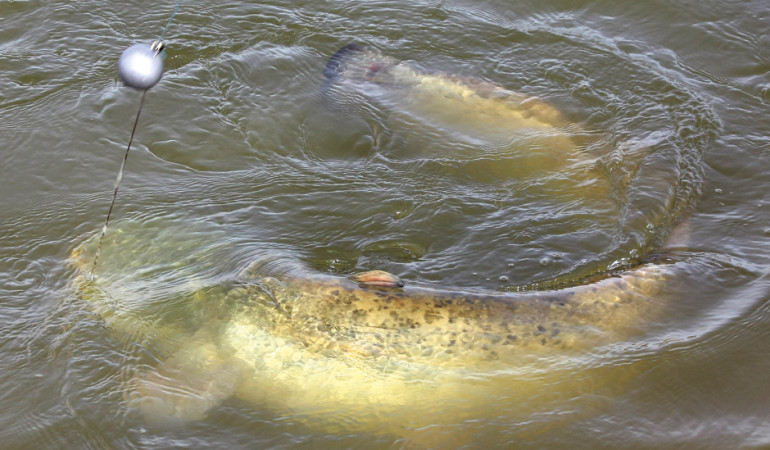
column 239, row 150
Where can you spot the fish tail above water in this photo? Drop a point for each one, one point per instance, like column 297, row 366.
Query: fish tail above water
column 334, row 65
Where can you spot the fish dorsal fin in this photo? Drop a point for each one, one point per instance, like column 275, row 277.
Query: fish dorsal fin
column 378, row 279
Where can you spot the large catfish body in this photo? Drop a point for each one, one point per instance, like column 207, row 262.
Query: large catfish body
column 343, row 356
column 364, row 354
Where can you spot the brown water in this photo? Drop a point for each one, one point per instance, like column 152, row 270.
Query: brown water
column 240, row 156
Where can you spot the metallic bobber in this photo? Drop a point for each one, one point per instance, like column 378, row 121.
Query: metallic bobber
column 141, row 66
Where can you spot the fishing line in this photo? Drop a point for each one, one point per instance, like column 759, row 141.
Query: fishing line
column 163, row 34
column 140, row 66
column 117, row 184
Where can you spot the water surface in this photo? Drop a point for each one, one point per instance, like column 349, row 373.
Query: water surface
column 238, row 140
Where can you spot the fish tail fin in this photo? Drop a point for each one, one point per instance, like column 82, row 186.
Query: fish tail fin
column 334, row 66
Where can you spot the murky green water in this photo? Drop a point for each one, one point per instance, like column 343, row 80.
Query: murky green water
column 244, row 152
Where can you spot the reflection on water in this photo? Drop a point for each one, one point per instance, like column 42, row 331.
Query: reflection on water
column 241, row 148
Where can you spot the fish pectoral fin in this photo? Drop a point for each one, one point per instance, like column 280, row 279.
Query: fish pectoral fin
column 186, row 387
column 378, row 279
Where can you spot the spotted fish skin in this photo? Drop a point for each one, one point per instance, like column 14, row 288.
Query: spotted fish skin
column 327, row 348
column 458, row 328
